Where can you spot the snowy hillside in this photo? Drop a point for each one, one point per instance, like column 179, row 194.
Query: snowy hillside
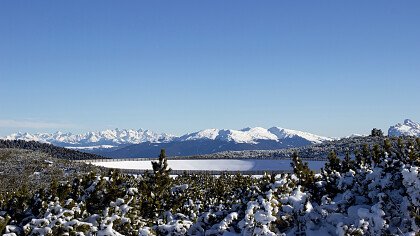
column 408, row 128
column 374, row 193
column 288, row 133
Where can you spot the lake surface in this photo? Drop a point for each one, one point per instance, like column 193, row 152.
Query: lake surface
column 212, row 164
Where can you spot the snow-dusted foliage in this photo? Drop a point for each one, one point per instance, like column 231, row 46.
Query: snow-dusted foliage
column 376, row 193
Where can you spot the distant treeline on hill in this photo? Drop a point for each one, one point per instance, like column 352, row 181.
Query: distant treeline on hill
column 315, row 151
column 57, row 152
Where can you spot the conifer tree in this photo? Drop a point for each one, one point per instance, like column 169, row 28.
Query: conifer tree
column 333, row 163
column 359, row 158
column 158, row 184
column 304, row 175
column 377, row 154
column 376, row 133
column 347, row 163
column 387, row 146
column 412, row 154
column 366, row 154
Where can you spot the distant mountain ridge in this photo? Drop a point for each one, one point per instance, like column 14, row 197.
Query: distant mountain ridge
column 252, row 135
column 146, row 143
column 100, row 139
column 117, row 136
column 408, row 128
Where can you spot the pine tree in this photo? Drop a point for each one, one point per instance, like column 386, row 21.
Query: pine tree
column 413, row 156
column 160, row 168
column 333, row 163
column 377, row 154
column 366, row 154
column 387, row 146
column 305, row 176
column 158, row 184
column 359, row 158
column 347, row 163
column 376, row 133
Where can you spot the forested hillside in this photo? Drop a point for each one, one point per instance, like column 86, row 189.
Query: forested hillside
column 376, row 193
column 29, row 170
column 318, row 151
column 57, row 152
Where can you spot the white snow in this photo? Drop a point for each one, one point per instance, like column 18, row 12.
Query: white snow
column 105, row 137
column 408, row 128
column 252, row 135
column 282, row 133
column 112, row 138
column 92, row 147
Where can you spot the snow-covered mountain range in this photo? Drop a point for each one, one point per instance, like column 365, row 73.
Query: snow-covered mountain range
column 129, row 142
column 252, row 135
column 105, row 138
column 118, row 137
column 408, row 128
column 146, row 143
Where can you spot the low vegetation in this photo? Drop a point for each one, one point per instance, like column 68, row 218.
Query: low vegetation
column 374, row 190
column 54, row 151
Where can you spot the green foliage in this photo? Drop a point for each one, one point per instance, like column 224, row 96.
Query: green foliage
column 4, row 222
column 377, row 154
column 159, row 198
column 387, row 145
column 333, row 163
column 347, row 163
column 376, row 133
column 305, row 176
column 366, row 153
column 158, row 186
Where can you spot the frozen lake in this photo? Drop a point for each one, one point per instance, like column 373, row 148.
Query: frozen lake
column 213, row 165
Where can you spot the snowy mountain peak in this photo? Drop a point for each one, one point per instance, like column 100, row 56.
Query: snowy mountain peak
column 251, row 135
column 113, row 137
column 118, row 137
column 408, row 128
column 283, row 133
column 202, row 134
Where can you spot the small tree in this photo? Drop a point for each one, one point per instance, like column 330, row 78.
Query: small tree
column 387, row 146
column 377, row 133
column 347, row 163
column 158, row 185
column 305, row 176
column 366, row 154
column 160, row 167
column 377, row 154
column 333, row 163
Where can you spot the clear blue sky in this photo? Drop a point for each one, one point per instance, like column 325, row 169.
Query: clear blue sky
column 329, row 67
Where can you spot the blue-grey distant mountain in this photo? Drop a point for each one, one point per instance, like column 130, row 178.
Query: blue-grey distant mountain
column 145, row 143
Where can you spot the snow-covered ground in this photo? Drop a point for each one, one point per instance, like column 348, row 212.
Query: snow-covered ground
column 215, row 164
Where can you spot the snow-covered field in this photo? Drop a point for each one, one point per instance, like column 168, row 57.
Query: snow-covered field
column 215, row 165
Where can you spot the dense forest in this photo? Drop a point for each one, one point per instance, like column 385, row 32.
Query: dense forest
column 373, row 191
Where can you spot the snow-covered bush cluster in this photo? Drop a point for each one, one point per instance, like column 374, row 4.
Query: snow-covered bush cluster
column 375, row 193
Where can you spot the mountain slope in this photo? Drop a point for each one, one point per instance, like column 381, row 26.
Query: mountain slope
column 145, row 143
column 408, row 128
column 198, row 147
